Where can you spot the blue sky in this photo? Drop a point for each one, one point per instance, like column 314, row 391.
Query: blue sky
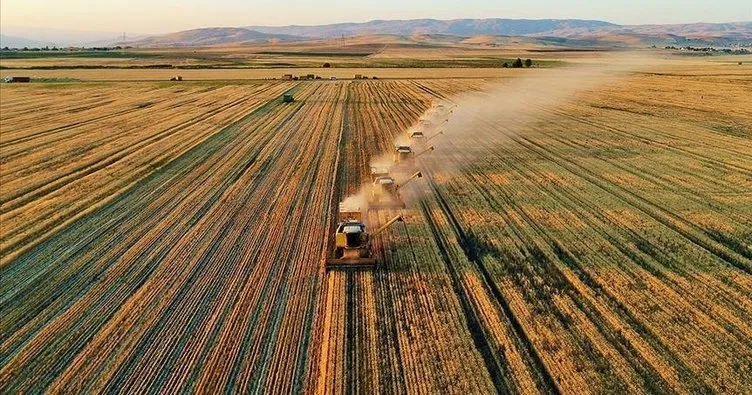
column 158, row 16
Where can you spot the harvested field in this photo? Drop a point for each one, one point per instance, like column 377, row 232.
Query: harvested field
column 97, row 143
column 172, row 238
column 245, row 74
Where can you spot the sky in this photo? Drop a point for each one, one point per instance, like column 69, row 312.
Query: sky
column 163, row 16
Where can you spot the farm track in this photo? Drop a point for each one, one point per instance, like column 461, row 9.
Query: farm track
column 604, row 249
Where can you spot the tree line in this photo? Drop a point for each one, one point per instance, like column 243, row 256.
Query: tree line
column 518, row 63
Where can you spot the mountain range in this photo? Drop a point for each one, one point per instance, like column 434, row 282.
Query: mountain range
column 20, row 42
column 458, row 27
column 214, row 36
column 575, row 31
column 712, row 34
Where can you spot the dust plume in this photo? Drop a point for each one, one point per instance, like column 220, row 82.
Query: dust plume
column 482, row 120
column 356, row 202
column 473, row 124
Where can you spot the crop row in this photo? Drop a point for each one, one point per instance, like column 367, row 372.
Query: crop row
column 180, row 283
column 86, row 152
column 604, row 248
column 568, row 246
column 596, row 250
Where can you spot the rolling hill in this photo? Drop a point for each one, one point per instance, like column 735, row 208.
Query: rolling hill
column 212, row 36
column 563, row 31
column 459, row 27
column 20, row 42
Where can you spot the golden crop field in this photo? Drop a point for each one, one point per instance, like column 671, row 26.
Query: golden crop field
column 171, row 237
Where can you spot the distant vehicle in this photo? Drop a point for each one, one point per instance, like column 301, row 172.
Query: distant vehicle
column 176, row 78
column 288, row 98
column 10, row 80
column 332, row 78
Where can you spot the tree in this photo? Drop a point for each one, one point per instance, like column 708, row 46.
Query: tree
column 505, row 65
column 517, row 63
column 327, row 65
column 528, row 62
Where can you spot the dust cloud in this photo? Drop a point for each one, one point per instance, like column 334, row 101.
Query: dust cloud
column 356, row 202
column 473, row 124
column 485, row 119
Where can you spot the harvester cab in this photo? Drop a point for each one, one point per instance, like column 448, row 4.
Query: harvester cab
column 402, row 153
column 379, row 171
column 385, row 192
column 415, row 134
column 353, row 242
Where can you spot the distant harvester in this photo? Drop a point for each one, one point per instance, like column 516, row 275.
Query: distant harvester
column 10, row 80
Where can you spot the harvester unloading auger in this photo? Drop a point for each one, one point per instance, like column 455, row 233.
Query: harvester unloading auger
column 353, row 241
column 404, row 153
column 385, row 191
column 439, row 133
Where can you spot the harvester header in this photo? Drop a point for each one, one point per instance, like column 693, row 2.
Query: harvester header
column 353, row 242
column 379, row 171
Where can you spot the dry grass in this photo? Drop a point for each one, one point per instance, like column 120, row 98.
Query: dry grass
column 246, row 74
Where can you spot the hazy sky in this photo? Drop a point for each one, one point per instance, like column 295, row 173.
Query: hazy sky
column 158, row 16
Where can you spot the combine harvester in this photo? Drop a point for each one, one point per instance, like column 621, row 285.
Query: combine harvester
column 353, row 242
column 385, row 191
column 415, row 134
column 403, row 154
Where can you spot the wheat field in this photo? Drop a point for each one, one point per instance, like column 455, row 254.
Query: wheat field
column 172, row 237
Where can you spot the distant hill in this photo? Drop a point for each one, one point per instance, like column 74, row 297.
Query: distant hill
column 458, row 27
column 567, row 32
column 20, row 42
column 63, row 37
column 577, row 29
column 712, row 33
column 212, row 36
